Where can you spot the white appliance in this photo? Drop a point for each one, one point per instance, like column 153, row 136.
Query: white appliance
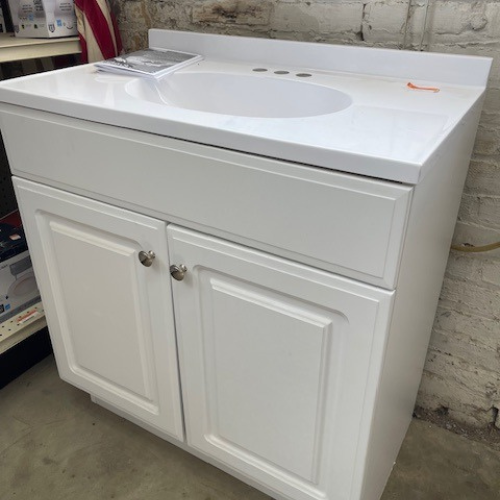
column 18, row 288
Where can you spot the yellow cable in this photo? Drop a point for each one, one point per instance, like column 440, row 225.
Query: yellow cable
column 483, row 248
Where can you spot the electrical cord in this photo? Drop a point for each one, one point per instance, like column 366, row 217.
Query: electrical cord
column 473, row 249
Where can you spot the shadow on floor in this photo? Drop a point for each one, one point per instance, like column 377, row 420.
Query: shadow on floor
column 57, row 445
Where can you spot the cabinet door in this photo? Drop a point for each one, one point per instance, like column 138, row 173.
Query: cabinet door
column 110, row 317
column 275, row 361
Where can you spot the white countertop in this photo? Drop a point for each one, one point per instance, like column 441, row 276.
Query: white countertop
column 389, row 131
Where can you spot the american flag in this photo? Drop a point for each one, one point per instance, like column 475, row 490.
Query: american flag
column 98, row 31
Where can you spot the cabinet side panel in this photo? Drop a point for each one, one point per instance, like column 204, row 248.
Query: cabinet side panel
column 425, row 253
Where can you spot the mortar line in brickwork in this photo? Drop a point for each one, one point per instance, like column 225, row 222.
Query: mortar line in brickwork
column 424, row 27
column 405, row 31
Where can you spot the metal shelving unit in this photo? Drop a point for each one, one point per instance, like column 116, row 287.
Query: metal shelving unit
column 21, row 49
column 21, row 326
column 34, row 54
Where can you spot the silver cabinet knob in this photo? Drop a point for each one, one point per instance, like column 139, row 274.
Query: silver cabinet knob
column 178, row 272
column 147, row 258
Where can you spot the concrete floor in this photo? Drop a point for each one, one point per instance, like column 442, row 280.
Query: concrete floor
column 56, row 445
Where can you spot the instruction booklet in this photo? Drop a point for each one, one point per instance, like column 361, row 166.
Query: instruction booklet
column 148, row 62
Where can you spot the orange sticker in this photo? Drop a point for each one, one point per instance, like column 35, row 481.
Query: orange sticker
column 417, row 87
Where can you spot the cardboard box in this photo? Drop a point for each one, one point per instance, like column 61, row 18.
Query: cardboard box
column 43, row 18
column 18, row 288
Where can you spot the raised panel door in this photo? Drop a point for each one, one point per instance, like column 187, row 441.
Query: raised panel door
column 275, row 360
column 110, row 317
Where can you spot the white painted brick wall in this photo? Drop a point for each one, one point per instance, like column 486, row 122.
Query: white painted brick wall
column 463, row 367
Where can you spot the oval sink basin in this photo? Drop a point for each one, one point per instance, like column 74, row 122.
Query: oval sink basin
column 241, row 95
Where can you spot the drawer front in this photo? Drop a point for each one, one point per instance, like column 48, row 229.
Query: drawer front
column 350, row 225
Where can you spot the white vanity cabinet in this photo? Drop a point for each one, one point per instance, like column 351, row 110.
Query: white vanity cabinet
column 299, row 320
column 276, row 358
column 110, row 317
column 287, row 343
